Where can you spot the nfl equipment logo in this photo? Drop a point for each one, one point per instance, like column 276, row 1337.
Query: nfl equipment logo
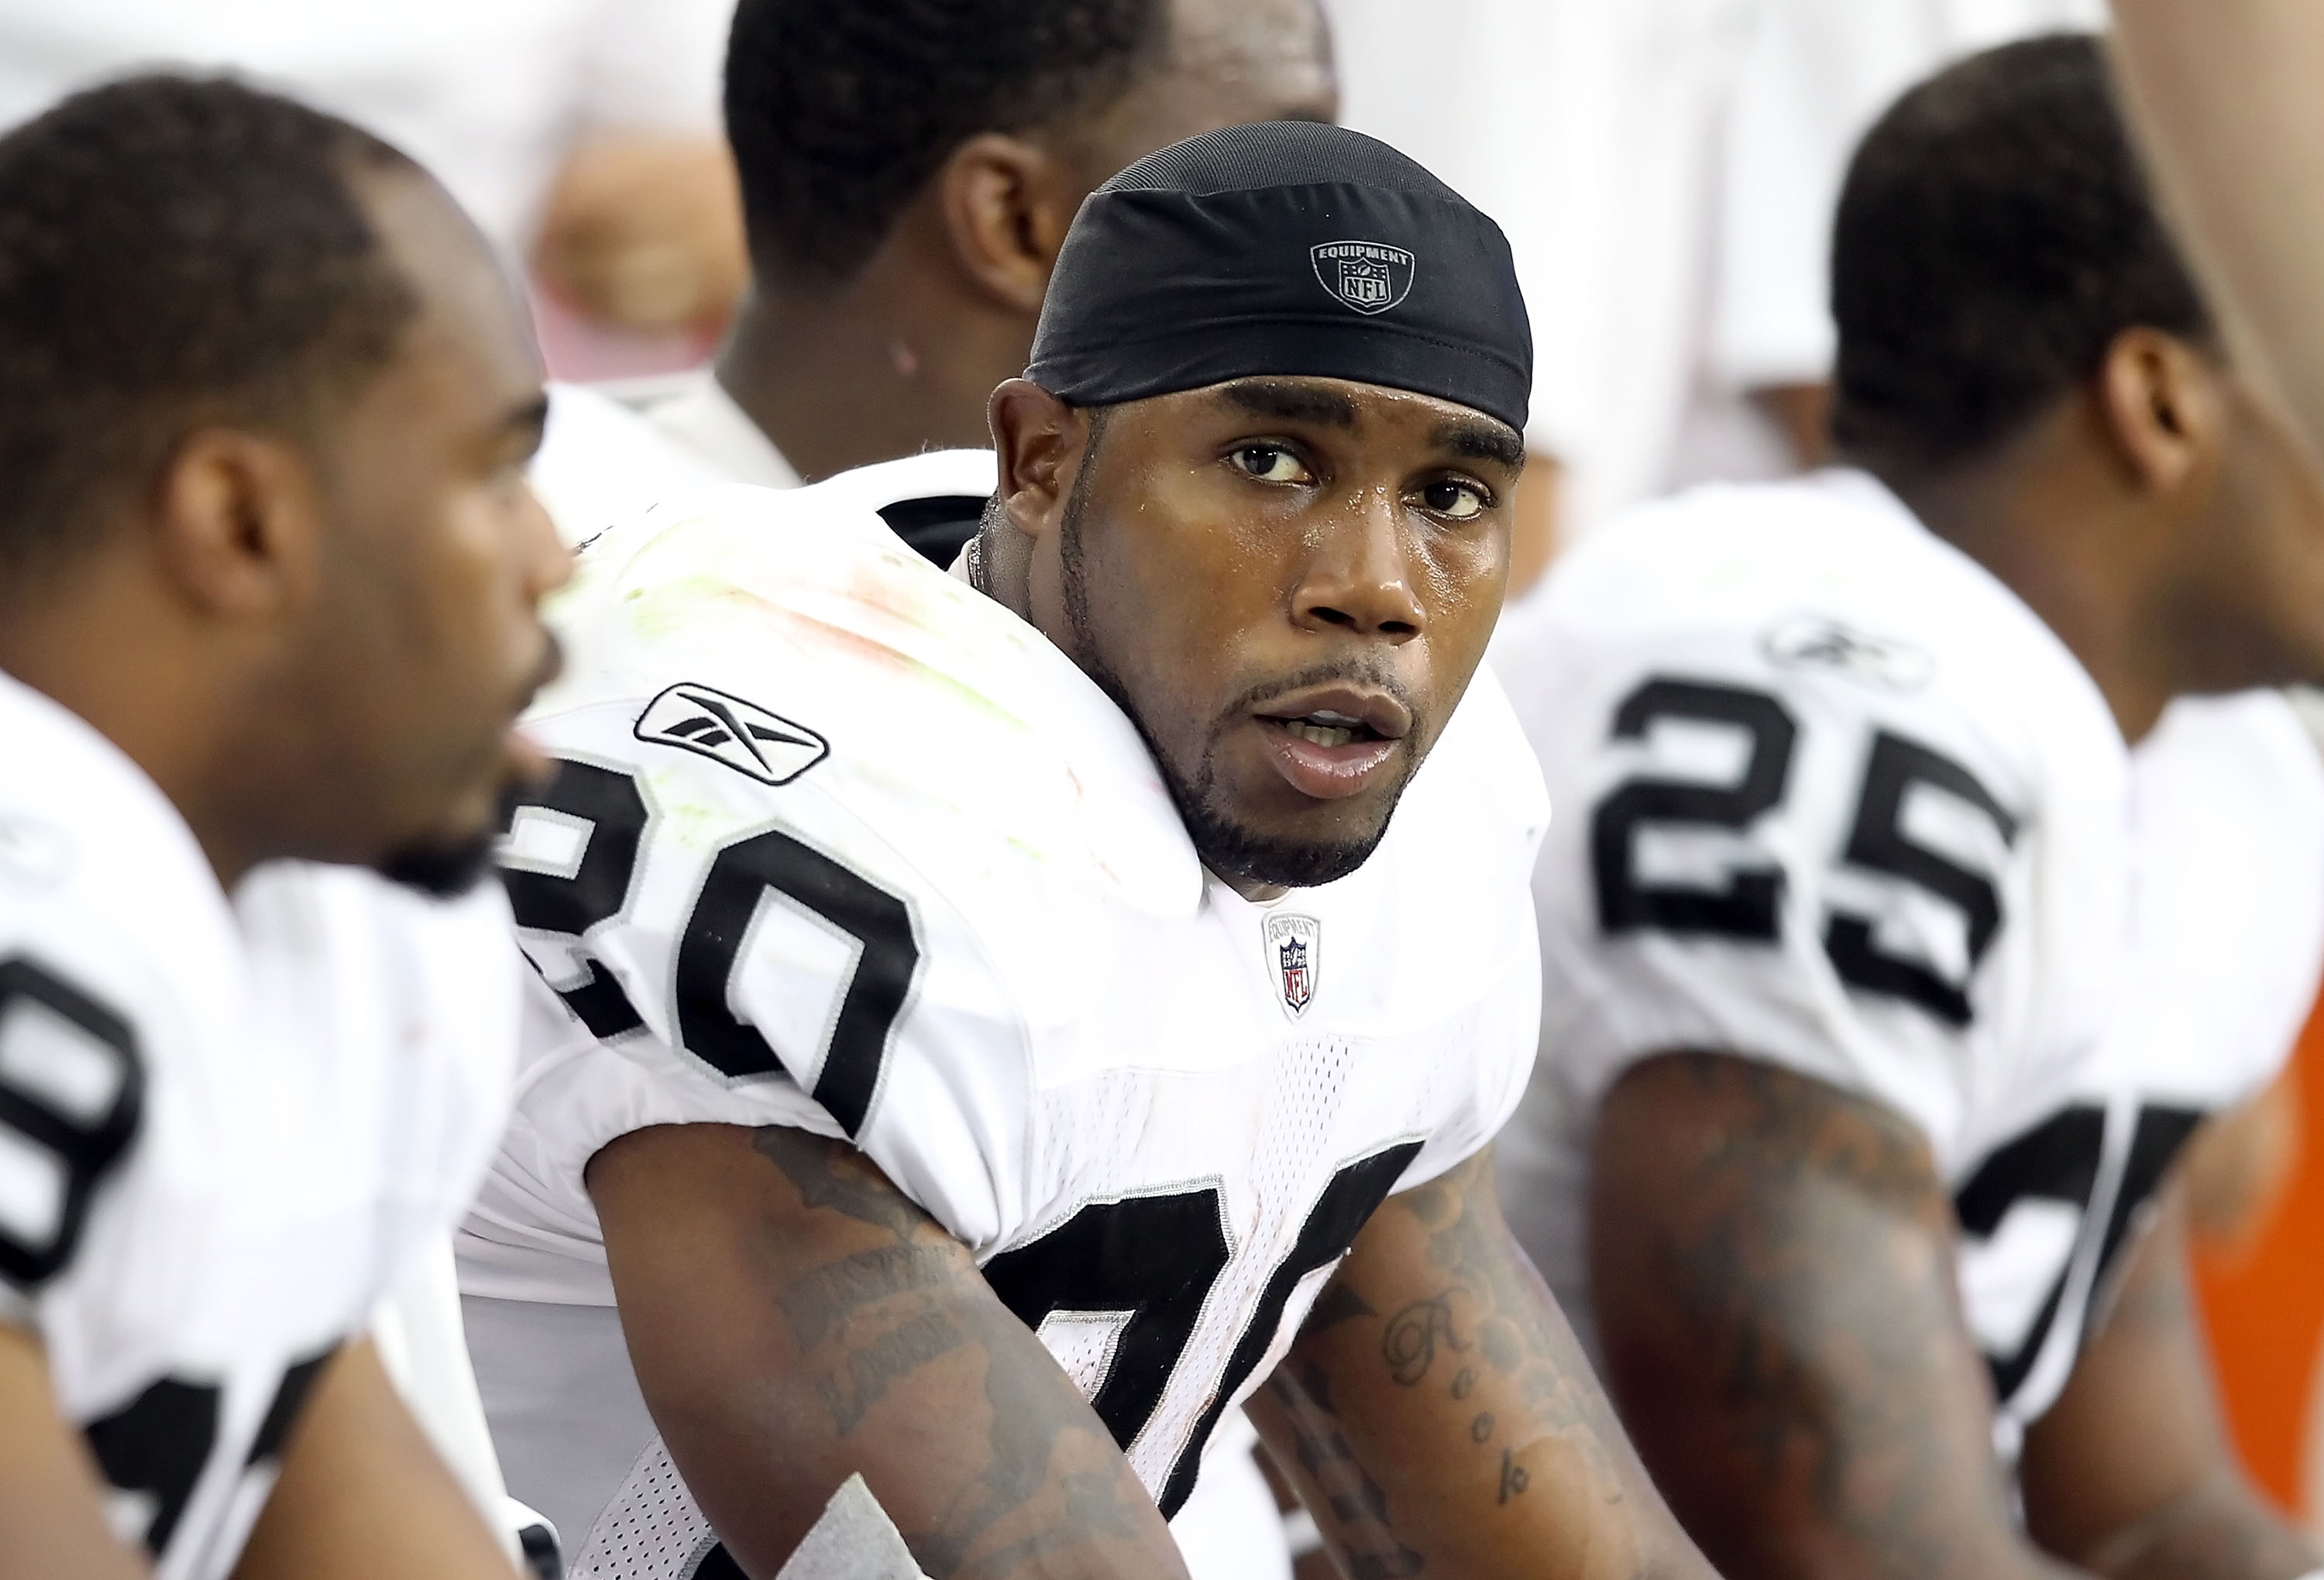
column 1292, row 944
column 1363, row 275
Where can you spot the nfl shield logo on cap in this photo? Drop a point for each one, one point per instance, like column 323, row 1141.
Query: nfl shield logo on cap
column 1366, row 276
column 1292, row 947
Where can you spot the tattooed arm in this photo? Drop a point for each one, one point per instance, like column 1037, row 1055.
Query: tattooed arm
column 1438, row 1419
column 1772, row 1263
column 793, row 1317
column 2130, row 1473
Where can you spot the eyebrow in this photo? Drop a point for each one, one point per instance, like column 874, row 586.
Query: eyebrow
column 1291, row 402
column 1480, row 441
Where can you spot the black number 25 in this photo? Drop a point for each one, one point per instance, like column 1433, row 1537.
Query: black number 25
column 606, row 810
column 1750, row 904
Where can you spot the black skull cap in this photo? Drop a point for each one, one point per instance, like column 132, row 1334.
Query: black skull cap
column 1284, row 248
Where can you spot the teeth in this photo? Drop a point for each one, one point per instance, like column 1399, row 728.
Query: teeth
column 1321, row 734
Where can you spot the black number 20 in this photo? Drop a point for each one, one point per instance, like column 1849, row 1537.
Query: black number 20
column 607, row 808
column 1750, row 905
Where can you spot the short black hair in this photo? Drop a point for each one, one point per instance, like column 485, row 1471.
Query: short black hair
column 1995, row 236
column 173, row 250
column 838, row 114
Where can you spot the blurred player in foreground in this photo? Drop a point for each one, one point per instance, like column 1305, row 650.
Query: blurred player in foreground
column 908, row 176
column 268, row 570
column 1884, row 981
column 1001, row 1029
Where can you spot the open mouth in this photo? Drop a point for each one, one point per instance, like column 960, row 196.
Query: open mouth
column 1326, row 727
column 1333, row 742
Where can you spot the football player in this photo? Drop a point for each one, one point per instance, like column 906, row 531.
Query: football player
column 908, row 176
column 992, row 1026
column 268, row 570
column 1883, row 981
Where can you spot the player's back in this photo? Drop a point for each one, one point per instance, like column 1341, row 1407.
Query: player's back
column 224, row 1125
column 841, row 844
column 1838, row 800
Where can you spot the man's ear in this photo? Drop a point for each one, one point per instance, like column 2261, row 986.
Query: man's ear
column 238, row 520
column 2164, row 407
column 1040, row 441
column 1007, row 204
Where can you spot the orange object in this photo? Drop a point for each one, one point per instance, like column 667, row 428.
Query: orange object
column 2263, row 1299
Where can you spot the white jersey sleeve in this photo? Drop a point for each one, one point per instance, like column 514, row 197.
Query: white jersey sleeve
column 1838, row 801
column 2228, row 818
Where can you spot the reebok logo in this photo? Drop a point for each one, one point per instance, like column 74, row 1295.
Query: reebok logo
column 750, row 739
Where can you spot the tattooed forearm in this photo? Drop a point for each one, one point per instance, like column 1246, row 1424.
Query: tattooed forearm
column 1352, row 1501
column 1438, row 1419
column 896, row 1353
column 869, row 1321
column 1773, row 1265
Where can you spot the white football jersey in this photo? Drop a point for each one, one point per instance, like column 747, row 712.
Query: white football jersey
column 224, row 1126
column 1843, row 803
column 840, row 843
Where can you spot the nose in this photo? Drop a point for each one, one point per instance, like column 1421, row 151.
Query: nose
column 547, row 562
column 1358, row 578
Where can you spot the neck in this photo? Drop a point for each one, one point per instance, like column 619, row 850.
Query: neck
column 157, row 705
column 878, row 369
column 2065, row 542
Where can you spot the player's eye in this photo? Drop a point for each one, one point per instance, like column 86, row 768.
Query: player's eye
column 1453, row 498
column 1271, row 464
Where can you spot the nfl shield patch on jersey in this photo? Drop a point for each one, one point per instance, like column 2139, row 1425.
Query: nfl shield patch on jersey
column 1292, row 943
column 745, row 737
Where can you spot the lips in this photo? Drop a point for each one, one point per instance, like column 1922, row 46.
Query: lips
column 1333, row 742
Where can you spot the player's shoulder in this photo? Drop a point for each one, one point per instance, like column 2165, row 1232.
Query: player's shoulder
column 785, row 657
column 105, row 897
column 1821, row 597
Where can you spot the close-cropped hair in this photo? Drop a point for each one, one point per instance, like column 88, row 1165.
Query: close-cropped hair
column 839, row 114
column 1995, row 236
column 175, row 252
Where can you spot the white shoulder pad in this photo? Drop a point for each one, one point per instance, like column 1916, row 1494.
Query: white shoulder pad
column 828, row 821
column 1832, row 796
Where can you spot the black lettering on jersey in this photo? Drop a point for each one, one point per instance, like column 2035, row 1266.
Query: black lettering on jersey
column 155, row 1446
column 1879, row 843
column 72, row 1091
column 611, row 811
column 1748, row 908
column 290, row 1401
column 1159, row 1258
column 2056, row 1160
column 877, row 989
column 936, row 528
column 2061, row 1160
column 1153, row 1256
column 1338, row 1217
column 2163, row 1132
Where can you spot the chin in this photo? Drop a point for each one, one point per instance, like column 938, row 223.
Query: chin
column 1232, row 848
column 441, row 871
